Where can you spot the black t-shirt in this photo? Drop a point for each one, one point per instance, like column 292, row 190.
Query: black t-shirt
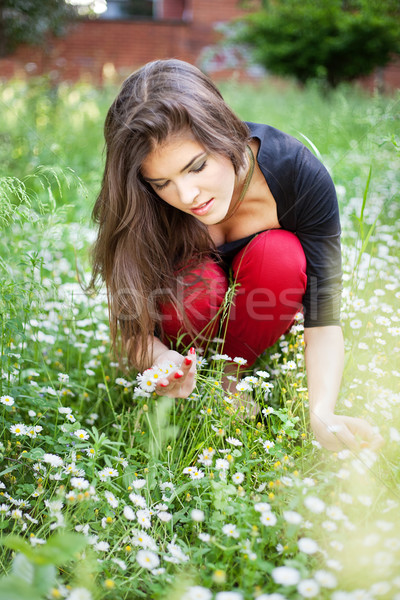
column 306, row 205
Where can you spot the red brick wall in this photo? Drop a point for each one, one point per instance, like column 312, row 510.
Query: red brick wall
column 90, row 44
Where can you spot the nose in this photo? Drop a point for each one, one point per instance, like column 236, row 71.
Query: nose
column 187, row 193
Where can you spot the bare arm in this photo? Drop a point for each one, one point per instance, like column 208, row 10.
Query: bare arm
column 324, row 355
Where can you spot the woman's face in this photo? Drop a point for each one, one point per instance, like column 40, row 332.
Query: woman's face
column 186, row 176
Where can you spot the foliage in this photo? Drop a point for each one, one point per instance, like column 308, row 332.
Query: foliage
column 29, row 21
column 181, row 499
column 331, row 41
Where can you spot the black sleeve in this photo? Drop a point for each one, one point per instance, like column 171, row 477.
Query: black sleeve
column 318, row 229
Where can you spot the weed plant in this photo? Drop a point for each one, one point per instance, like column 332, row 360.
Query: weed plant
column 109, row 492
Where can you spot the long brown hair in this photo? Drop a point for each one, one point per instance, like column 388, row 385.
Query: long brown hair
column 141, row 239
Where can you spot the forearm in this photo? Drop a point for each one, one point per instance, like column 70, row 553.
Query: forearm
column 324, row 357
column 155, row 348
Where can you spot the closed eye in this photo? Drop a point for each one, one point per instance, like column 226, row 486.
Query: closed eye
column 160, row 187
column 200, row 168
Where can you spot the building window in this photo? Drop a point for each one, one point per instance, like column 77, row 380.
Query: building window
column 129, row 9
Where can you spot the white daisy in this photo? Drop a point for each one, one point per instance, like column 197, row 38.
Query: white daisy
column 81, row 434
column 53, row 460
column 285, row 575
column 308, row 588
column 7, row 400
column 18, row 429
column 147, row 559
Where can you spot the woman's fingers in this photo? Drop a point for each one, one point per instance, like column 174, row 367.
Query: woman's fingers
column 180, row 383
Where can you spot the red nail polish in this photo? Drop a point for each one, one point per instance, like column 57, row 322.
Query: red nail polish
column 163, row 384
column 178, row 375
column 192, row 350
column 188, row 361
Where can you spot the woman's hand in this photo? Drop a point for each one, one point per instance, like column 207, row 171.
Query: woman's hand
column 181, row 383
column 336, row 432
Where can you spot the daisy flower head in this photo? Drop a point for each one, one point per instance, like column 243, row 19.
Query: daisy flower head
column 238, row 478
column 285, row 575
column 308, row 588
column 292, row 517
column 230, row 530
column 19, row 429
column 221, row 464
column 138, row 484
column 177, row 553
column 7, row 400
column 197, row 474
column 147, row 559
column 206, row 456
column 129, row 513
column 146, row 380
column 137, row 500
column 108, row 472
column 81, row 434
column 79, row 483
column 197, row 592
column 63, row 378
column 263, row 374
column 262, row 507
column 111, row 499
column 251, row 379
column 268, row 444
column 79, row 594
column 239, row 360
column 314, row 504
column 143, row 517
column 307, row 545
column 234, row 441
column 268, row 518
column 143, row 539
column 197, row 515
column 221, row 357
column 164, row 516
column 53, row 460
column 325, row 579
column 167, row 367
column 243, row 386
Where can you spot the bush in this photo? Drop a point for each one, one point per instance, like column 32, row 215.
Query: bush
column 327, row 40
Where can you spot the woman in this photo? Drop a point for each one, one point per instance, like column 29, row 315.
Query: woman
column 190, row 191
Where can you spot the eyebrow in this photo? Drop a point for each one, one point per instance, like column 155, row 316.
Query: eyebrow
column 181, row 171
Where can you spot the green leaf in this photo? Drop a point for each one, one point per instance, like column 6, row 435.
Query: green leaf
column 44, row 578
column 23, row 568
column 13, row 588
column 19, row 545
column 61, row 548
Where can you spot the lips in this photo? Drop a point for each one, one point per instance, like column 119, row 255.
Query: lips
column 203, row 208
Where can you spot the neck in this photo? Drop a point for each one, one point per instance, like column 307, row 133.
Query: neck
column 242, row 186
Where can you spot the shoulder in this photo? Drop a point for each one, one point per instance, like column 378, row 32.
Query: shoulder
column 274, row 142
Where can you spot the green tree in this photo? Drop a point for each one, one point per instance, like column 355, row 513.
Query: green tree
column 332, row 40
column 29, row 21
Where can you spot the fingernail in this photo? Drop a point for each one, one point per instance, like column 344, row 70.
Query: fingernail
column 188, row 361
column 164, row 384
column 192, row 350
column 178, row 375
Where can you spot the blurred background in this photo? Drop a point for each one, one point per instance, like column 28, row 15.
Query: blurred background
column 105, row 40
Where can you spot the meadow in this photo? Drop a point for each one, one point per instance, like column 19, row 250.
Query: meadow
column 110, row 492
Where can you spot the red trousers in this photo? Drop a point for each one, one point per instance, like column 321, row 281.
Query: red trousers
column 270, row 274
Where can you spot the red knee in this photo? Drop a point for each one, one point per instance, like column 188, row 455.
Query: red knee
column 202, row 291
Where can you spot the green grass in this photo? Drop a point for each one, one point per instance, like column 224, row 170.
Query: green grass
column 114, row 442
